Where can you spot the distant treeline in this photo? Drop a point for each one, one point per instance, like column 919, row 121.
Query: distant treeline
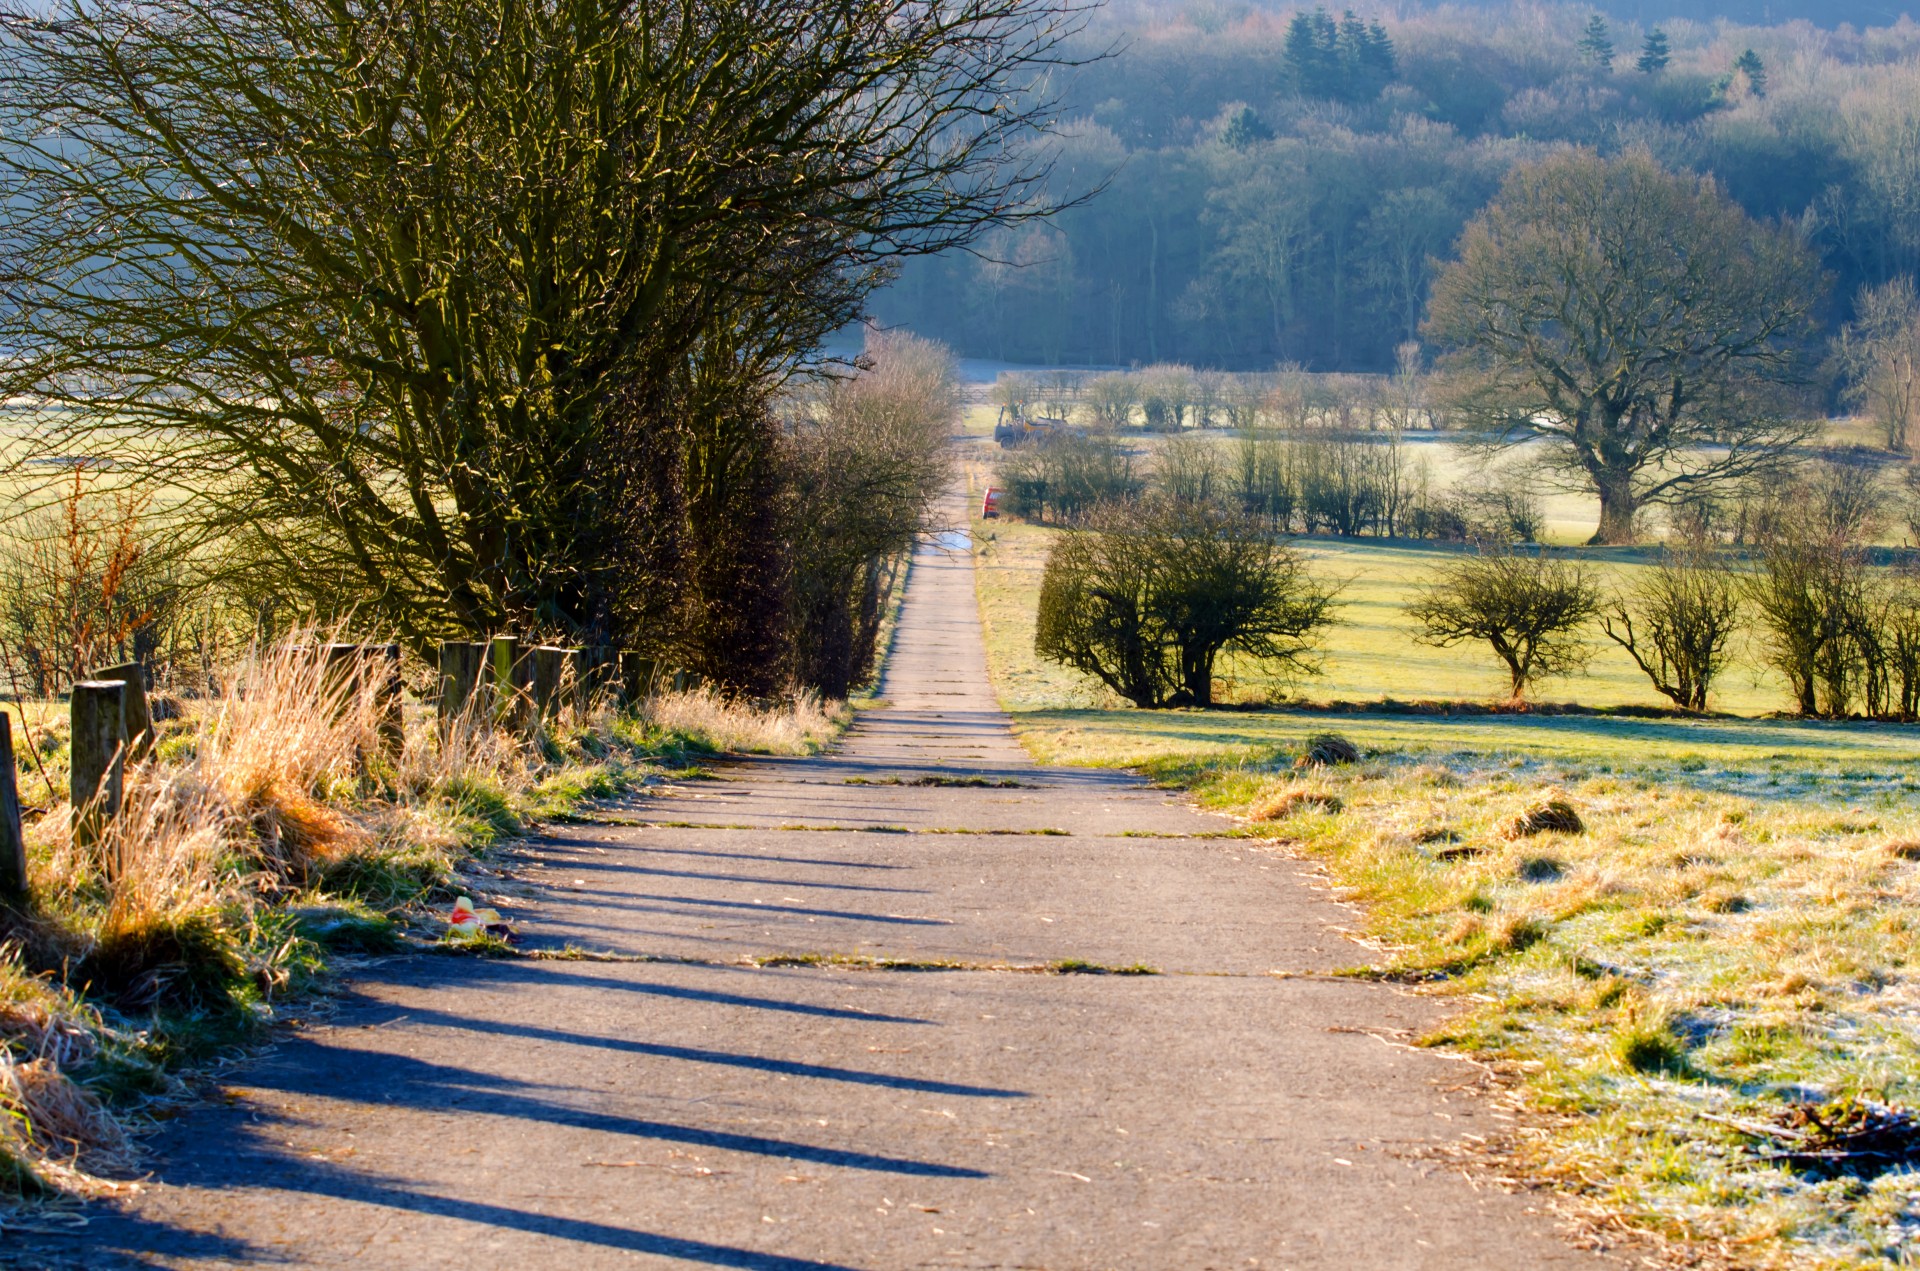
column 1281, row 182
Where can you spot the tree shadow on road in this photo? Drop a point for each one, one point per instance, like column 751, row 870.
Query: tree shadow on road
column 259, row 1149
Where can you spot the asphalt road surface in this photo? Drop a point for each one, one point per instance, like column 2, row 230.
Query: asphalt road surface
column 1235, row 1110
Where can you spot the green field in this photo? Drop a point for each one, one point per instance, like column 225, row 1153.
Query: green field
column 1369, row 656
column 1732, row 932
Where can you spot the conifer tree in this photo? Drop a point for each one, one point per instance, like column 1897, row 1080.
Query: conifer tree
column 1655, row 54
column 1596, row 45
column 1246, row 129
column 1348, row 59
column 1377, row 54
column 1310, row 52
column 1750, row 65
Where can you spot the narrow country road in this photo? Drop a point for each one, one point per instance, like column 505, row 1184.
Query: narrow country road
column 700, row 1110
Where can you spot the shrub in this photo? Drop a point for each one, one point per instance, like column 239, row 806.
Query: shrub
column 1166, row 394
column 1063, row 478
column 1842, row 633
column 1527, row 606
column 1188, row 469
column 1109, row 400
column 1150, row 594
column 864, row 460
column 1688, row 610
column 1344, row 482
column 80, row 588
column 1264, row 480
column 1497, row 507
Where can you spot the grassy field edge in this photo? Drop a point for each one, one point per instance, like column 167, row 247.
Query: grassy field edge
column 1687, row 946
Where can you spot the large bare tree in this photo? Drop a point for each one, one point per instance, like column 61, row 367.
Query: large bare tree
column 1634, row 319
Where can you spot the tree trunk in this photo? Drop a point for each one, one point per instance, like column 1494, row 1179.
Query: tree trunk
column 1196, row 671
column 1516, row 675
column 1618, row 509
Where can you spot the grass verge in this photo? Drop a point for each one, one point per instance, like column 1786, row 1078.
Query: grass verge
column 1671, row 989
column 273, row 834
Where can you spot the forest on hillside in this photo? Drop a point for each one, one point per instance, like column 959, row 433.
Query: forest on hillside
column 1279, row 184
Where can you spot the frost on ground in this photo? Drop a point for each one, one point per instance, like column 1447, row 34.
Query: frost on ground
column 1695, row 995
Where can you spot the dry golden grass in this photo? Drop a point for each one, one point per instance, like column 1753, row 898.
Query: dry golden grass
column 280, row 791
column 1280, row 804
column 58, row 1120
column 1710, row 949
column 718, row 723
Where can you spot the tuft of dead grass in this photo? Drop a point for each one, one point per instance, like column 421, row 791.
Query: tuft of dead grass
column 1329, row 750
column 1288, row 802
column 715, row 722
column 1551, row 816
column 60, row 1119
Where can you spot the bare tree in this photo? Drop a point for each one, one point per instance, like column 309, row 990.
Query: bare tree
column 1058, row 392
column 1109, row 400
column 1813, row 586
column 433, row 307
column 1166, row 394
column 1151, row 594
column 1688, row 611
column 1189, row 469
column 1242, row 399
column 1880, row 354
column 1209, row 396
column 1527, row 606
column 1637, row 321
column 1014, row 392
column 1061, row 479
column 865, row 457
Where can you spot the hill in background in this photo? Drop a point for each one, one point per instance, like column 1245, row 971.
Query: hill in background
column 1260, row 211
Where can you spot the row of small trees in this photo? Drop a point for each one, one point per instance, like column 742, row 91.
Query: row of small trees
column 1172, row 397
column 1838, row 625
column 1151, row 590
column 1324, row 481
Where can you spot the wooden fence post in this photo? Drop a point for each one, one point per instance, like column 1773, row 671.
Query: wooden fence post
column 140, row 731
column 13, row 838
column 507, row 681
column 389, row 699
column 342, row 677
column 99, row 744
column 462, row 665
column 636, row 677
column 546, row 667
